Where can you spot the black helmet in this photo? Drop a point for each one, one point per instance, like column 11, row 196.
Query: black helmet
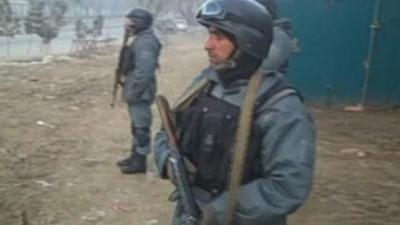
column 271, row 6
column 142, row 16
column 246, row 20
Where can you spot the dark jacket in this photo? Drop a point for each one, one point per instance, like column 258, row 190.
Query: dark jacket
column 141, row 64
column 287, row 157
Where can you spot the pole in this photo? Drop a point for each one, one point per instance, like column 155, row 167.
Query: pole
column 371, row 49
column 8, row 45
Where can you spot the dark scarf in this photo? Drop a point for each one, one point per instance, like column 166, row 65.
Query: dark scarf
column 244, row 66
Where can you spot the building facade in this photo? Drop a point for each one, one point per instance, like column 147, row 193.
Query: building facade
column 350, row 50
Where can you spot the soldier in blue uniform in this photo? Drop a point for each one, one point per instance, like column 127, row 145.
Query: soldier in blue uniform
column 139, row 67
column 279, row 167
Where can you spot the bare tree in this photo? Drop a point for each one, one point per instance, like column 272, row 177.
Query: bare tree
column 9, row 25
column 45, row 26
column 188, row 9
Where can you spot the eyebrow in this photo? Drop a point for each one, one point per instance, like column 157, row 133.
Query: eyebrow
column 216, row 31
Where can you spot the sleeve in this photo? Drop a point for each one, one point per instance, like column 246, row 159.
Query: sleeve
column 145, row 61
column 161, row 153
column 287, row 157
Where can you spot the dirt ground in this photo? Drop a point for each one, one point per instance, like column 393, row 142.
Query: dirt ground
column 59, row 141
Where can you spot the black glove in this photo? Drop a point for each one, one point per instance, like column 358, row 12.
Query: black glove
column 190, row 169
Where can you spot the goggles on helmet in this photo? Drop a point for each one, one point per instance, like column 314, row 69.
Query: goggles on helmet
column 214, row 10
column 211, row 9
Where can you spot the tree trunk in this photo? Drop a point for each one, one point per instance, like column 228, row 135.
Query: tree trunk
column 28, row 50
column 8, row 46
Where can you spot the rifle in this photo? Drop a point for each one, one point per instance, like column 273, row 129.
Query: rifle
column 191, row 214
column 118, row 71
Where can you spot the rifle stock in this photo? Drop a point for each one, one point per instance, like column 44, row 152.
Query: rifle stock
column 118, row 71
column 191, row 214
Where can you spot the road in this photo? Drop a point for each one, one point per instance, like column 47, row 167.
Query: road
column 59, row 141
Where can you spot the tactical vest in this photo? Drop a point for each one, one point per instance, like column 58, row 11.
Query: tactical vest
column 207, row 130
column 128, row 56
column 128, row 59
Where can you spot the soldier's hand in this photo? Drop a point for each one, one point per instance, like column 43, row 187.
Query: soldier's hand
column 129, row 29
column 170, row 173
column 190, row 169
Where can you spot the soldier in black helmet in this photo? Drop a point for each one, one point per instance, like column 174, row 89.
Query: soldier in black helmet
column 279, row 164
column 139, row 68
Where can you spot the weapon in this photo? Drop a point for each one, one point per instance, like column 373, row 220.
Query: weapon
column 118, row 71
column 191, row 214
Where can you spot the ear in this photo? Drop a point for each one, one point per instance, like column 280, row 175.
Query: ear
column 235, row 53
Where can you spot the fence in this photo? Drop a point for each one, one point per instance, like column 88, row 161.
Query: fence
column 335, row 39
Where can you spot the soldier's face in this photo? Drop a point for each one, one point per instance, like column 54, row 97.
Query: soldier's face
column 130, row 25
column 218, row 46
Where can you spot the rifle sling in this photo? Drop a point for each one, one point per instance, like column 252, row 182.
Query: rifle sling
column 191, row 94
column 241, row 144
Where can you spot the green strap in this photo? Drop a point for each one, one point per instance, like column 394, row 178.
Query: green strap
column 241, row 144
column 190, row 94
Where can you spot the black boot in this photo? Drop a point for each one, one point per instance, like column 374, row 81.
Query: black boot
column 136, row 164
column 126, row 161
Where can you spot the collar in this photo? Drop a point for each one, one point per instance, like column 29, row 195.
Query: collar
column 143, row 32
column 271, row 77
